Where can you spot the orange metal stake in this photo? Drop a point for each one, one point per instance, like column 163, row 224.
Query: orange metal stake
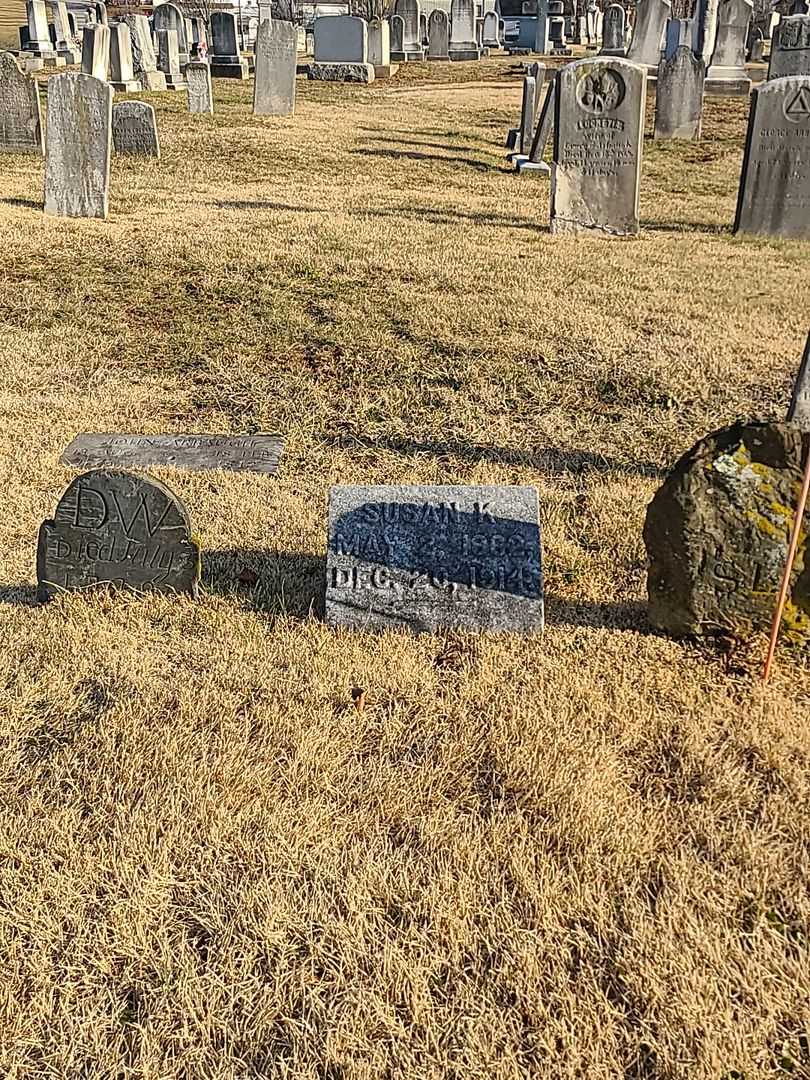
column 791, row 555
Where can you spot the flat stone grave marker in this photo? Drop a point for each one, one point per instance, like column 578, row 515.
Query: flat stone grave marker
column 790, row 47
column 237, row 453
column 20, row 111
column 78, row 146
column 598, row 129
column 425, row 557
column 276, row 60
column 774, row 195
column 198, row 85
column 135, row 129
column 117, row 529
column 717, row 534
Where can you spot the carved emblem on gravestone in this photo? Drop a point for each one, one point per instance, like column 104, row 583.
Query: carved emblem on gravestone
column 797, row 108
column 795, row 34
column 601, row 92
column 115, row 528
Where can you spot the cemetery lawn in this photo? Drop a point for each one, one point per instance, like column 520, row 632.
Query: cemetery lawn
column 583, row 855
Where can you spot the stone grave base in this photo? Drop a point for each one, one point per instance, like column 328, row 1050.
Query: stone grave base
column 612, row 52
column 465, row 54
column 227, row 67
column 126, row 87
column 519, row 52
column 70, row 56
column 35, row 62
column 561, row 52
column 727, row 87
column 398, row 57
column 175, row 82
column 360, row 73
column 415, row 54
column 523, row 165
column 385, row 71
column 152, row 80
column 438, row 59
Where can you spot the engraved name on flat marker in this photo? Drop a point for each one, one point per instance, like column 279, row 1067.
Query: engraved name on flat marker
column 426, row 557
column 236, row 453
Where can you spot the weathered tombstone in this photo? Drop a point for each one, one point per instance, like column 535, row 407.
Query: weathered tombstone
column 198, row 83
column 774, row 196
column 135, row 129
column 96, row 51
column 428, row 557
column 528, row 114
column 755, row 46
column 379, row 48
column 78, row 146
column 66, row 45
column 679, row 95
column 598, row 129
column 463, row 43
column 227, row 61
column 613, row 31
column 20, row 113
column 276, row 59
column 438, row 35
column 534, row 162
column 236, row 453
column 341, row 50
column 410, row 12
column 790, row 49
column 491, row 23
column 556, row 29
column 541, row 28
column 169, row 59
column 705, row 29
column 117, row 529
column 423, row 30
column 122, row 72
column 727, row 74
column 717, row 534
column 169, row 17
column 799, row 409
column 648, row 33
column 144, row 60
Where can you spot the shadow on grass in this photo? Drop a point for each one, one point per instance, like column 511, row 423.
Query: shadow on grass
column 270, row 582
column 686, row 227
column 22, row 594
column 26, row 204
column 610, row 615
column 415, row 155
column 551, row 460
column 424, row 142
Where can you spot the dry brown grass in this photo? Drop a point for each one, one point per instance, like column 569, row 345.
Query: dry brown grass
column 580, row 856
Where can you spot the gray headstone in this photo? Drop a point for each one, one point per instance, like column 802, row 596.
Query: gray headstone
column 169, row 59
column 397, row 24
column 198, row 83
column 78, row 146
column 544, row 127
column 341, row 72
column 135, row 129
column 463, row 41
column 598, row 129
column 756, row 46
column 144, row 60
column 541, row 27
column 528, row 114
column 122, row 71
column 39, row 38
column 799, row 410
column 101, row 13
column 613, row 31
column 276, row 59
column 491, row 23
column 121, row 530
column 438, row 35
column 679, row 95
column 96, row 51
column 679, row 34
column 774, row 196
column 556, row 29
column 379, row 43
column 169, row 17
column 235, row 453
column 727, row 69
column 717, row 534
column 705, row 27
column 428, row 557
column 648, row 33
column 790, row 48
column 410, row 12
column 66, row 44
column 423, row 29
column 20, row 113
column 341, row 39
column 225, row 41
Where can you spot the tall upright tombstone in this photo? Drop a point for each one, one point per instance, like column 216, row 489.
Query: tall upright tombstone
column 790, row 47
column 169, row 59
column 598, row 131
column 66, row 45
column 647, row 43
column 726, row 74
column 463, row 42
column 39, row 38
column 705, row 29
column 528, row 114
column 276, row 59
column 438, row 35
column 20, row 113
column 198, row 83
column 541, row 28
column 144, row 60
column 423, row 29
column 96, row 51
column 774, row 195
column 122, row 72
column 556, row 29
column 679, row 93
column 227, row 61
column 410, row 12
column 78, row 146
column 379, row 48
column 397, row 24
column 614, row 31
column 169, row 17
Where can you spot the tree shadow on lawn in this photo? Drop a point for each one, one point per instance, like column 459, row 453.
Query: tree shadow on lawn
column 685, row 227
column 26, row 204
column 415, row 155
column 423, row 142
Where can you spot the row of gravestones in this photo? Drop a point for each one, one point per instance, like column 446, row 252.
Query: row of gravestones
column 596, row 109
column 424, row 557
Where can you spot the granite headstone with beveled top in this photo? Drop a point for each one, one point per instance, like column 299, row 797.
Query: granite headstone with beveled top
column 598, row 129
column 20, row 112
column 790, row 47
column 774, row 195
column 276, row 59
column 428, row 557
column 121, row 530
column 78, row 146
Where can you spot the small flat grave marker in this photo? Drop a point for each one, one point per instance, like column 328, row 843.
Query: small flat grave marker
column 425, row 557
column 237, row 453
column 114, row 528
